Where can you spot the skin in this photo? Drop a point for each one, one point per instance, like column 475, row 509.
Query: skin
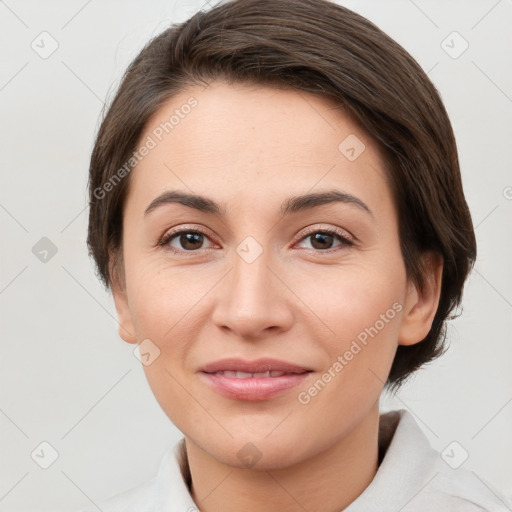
column 250, row 148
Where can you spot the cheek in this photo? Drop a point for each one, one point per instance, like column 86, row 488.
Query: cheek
column 163, row 300
column 165, row 310
column 352, row 297
column 364, row 311
column 359, row 311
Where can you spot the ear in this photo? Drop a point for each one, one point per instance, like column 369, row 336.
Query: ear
column 420, row 306
column 117, row 285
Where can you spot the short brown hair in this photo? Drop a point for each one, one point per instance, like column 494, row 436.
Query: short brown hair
column 322, row 48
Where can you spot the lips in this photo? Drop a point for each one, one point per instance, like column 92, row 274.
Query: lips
column 247, row 375
column 260, row 368
column 253, row 380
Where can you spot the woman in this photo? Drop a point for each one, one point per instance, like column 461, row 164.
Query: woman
column 276, row 205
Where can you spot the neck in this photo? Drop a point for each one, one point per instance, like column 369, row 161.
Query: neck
column 327, row 482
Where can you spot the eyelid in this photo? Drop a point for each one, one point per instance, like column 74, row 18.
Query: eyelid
column 344, row 234
column 170, row 233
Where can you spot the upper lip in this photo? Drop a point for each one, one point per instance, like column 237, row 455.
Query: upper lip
column 257, row 366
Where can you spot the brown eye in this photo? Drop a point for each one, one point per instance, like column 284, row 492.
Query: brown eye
column 324, row 240
column 184, row 241
column 191, row 241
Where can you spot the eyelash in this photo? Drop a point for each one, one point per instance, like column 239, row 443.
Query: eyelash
column 330, row 231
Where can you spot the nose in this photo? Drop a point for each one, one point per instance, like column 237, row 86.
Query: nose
column 252, row 300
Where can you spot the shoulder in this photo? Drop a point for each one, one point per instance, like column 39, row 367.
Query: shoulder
column 458, row 491
column 442, row 486
column 413, row 477
column 461, row 490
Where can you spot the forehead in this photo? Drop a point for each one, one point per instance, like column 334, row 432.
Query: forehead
column 259, row 142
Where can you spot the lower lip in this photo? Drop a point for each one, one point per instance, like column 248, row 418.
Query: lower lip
column 253, row 388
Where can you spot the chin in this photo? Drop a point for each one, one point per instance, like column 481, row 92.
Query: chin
column 260, row 455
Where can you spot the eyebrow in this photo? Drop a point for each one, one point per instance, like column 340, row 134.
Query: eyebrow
column 291, row 205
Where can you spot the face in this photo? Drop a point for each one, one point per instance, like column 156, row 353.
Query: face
column 255, row 272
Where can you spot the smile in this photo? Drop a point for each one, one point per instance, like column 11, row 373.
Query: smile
column 246, row 375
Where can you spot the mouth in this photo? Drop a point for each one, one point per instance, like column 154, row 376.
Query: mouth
column 264, row 366
column 253, row 381
column 259, row 375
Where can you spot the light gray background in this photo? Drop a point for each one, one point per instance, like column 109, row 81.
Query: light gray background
column 66, row 376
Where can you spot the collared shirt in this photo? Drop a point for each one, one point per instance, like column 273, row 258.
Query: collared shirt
column 412, row 477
